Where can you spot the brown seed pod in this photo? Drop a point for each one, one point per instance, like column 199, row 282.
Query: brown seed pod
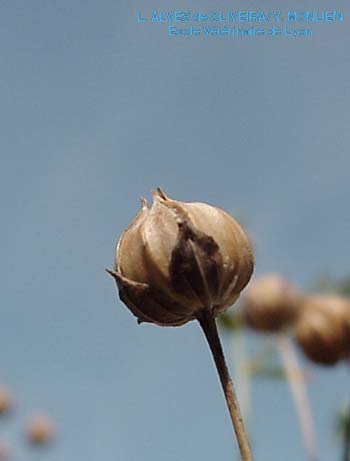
column 322, row 330
column 270, row 303
column 178, row 258
column 6, row 400
column 40, row 430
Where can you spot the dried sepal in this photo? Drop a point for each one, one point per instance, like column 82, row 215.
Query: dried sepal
column 149, row 304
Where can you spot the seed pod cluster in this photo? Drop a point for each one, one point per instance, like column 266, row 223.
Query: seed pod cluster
column 321, row 323
column 177, row 258
column 270, row 303
column 323, row 328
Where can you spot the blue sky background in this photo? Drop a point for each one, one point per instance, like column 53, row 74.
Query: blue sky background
column 97, row 110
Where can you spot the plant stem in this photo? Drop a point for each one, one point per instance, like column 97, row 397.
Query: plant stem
column 241, row 373
column 207, row 322
column 347, row 432
column 297, row 387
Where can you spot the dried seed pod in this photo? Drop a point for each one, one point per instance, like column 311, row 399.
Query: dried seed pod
column 6, row 400
column 40, row 430
column 178, row 258
column 322, row 329
column 181, row 261
column 270, row 303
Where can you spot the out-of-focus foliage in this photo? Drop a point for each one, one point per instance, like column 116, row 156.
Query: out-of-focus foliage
column 262, row 370
column 265, row 364
column 327, row 284
column 343, row 429
column 262, row 365
column 230, row 322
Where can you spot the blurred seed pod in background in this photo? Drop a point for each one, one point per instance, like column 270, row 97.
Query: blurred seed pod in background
column 5, row 452
column 270, row 303
column 6, row 400
column 40, row 430
column 322, row 330
column 347, row 334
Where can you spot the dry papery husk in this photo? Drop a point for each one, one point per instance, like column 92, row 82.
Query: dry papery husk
column 323, row 328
